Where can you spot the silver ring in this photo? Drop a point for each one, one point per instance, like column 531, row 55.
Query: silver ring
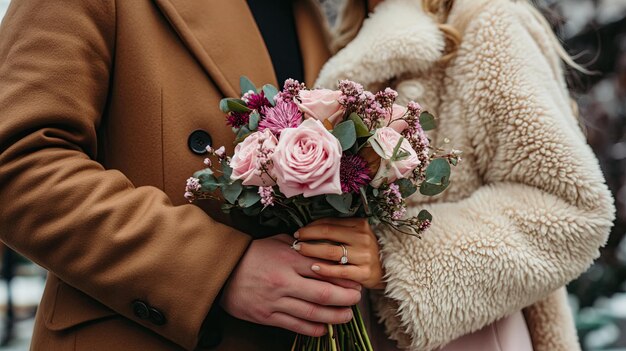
column 344, row 257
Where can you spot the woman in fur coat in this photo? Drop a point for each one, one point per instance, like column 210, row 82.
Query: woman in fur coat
column 528, row 208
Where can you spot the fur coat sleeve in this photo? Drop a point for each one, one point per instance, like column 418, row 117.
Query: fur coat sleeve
column 542, row 211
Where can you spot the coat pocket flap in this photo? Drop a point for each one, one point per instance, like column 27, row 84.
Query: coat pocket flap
column 73, row 307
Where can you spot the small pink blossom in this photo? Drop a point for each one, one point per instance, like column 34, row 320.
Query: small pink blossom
column 267, row 195
column 220, row 152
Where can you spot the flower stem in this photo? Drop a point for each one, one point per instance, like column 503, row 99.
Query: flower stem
column 331, row 336
column 361, row 324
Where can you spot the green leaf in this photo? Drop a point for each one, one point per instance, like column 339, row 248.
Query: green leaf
column 407, row 188
column 224, row 105
column 246, row 85
column 377, row 148
column 394, row 155
column 429, row 189
column 253, row 123
column 232, row 191
column 340, row 202
column 346, row 134
column 437, row 177
column 249, row 198
column 270, row 92
column 237, row 105
column 361, row 128
column 427, row 121
column 242, row 134
column 424, row 215
column 227, row 170
column 207, row 180
column 437, row 171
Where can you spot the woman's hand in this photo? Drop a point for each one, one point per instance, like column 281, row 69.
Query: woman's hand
column 322, row 239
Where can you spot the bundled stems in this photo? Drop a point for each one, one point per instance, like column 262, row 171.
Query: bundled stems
column 351, row 336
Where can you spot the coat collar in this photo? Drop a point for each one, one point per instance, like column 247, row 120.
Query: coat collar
column 397, row 38
column 225, row 40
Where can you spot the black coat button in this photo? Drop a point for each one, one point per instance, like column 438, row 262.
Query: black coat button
column 198, row 141
column 141, row 310
column 210, row 338
column 156, row 317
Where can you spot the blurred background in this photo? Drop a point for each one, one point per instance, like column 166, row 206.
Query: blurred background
column 594, row 33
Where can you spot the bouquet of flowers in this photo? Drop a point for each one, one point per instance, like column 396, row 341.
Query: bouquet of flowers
column 303, row 155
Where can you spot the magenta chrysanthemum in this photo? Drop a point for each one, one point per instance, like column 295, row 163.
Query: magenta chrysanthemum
column 257, row 101
column 353, row 173
column 283, row 115
column 237, row 119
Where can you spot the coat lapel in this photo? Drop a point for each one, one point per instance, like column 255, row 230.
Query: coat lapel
column 224, row 38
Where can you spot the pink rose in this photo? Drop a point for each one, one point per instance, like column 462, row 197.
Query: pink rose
column 306, row 160
column 390, row 169
column 398, row 124
column 321, row 104
column 249, row 157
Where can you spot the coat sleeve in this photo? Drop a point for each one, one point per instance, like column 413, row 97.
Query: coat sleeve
column 90, row 226
column 541, row 213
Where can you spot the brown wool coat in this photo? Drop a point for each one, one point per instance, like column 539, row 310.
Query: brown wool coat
column 97, row 101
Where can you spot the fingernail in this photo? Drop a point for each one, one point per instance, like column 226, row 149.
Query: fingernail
column 315, row 268
column 296, row 247
column 296, row 235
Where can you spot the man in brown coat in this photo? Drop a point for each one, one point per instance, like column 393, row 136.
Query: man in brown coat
column 106, row 107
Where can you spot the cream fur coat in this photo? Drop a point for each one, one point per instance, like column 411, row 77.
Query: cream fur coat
column 527, row 209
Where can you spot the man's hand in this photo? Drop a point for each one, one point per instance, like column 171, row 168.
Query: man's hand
column 274, row 285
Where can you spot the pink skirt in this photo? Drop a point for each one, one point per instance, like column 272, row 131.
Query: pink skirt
column 507, row 334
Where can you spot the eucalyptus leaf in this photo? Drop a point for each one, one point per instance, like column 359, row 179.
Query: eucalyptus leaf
column 361, row 128
column 246, row 85
column 232, row 191
column 237, row 105
column 249, row 198
column 340, row 202
column 424, row 215
column 407, row 188
column 202, row 173
column 242, row 134
column 437, row 171
column 430, row 189
column 253, row 122
column 224, row 105
column 427, row 121
column 270, row 92
column 377, row 148
column 227, row 170
column 346, row 134
column 208, row 182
